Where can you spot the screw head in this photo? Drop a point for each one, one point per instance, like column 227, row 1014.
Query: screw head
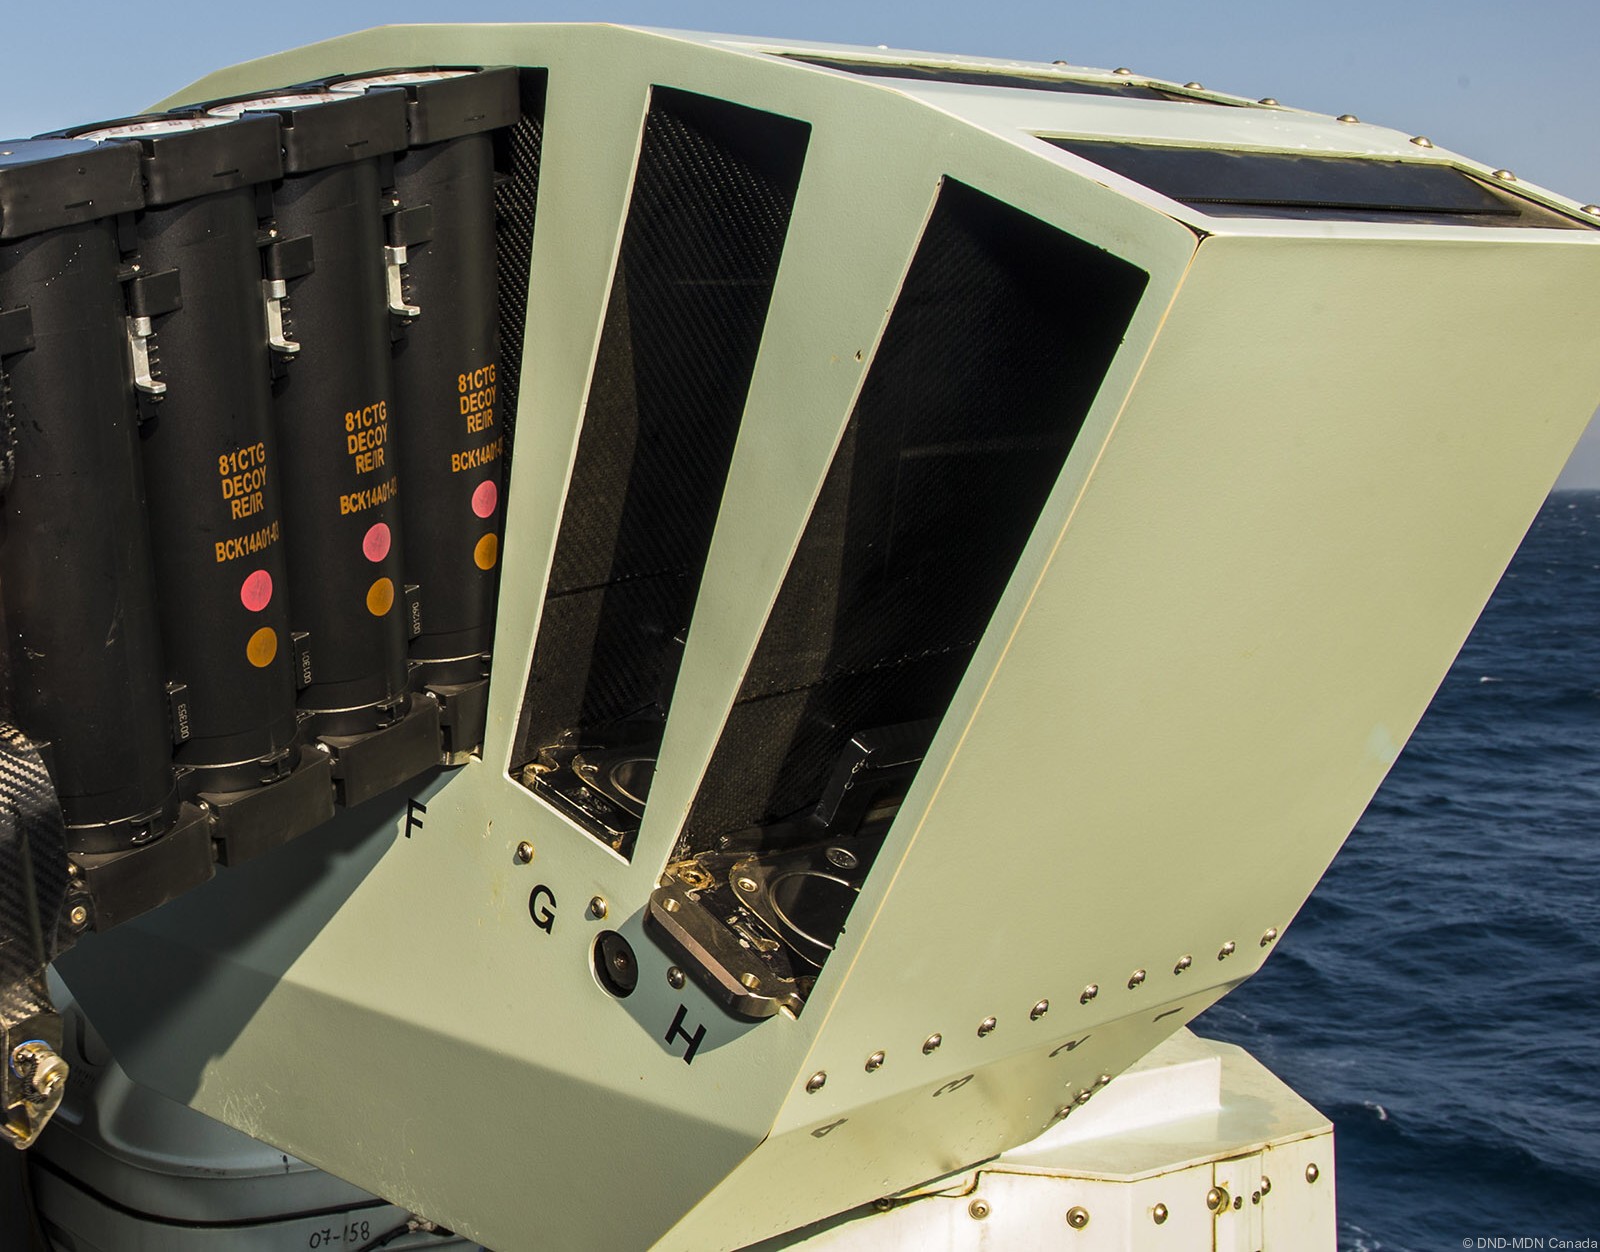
column 1226, row 950
column 1592, row 209
column 1038, row 1010
column 1184, row 962
column 524, row 852
column 842, row 858
column 1422, row 141
column 79, row 916
column 1505, row 176
column 986, row 1027
column 930, row 1045
column 747, row 884
column 1089, row 993
column 1270, row 102
column 1123, row 70
column 1217, row 1199
column 1255, row 1196
column 1266, row 1186
column 1348, row 118
column 1083, row 1097
column 1159, row 1214
column 598, row 907
column 816, row 1082
column 875, row 1061
column 979, row 1209
column 1077, row 1217
column 1194, row 86
column 1268, row 935
column 1312, row 1172
column 1062, row 1112
column 675, row 978
column 1136, row 979
column 1103, row 1080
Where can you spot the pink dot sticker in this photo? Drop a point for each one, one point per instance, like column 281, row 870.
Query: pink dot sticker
column 485, row 498
column 375, row 545
column 256, row 593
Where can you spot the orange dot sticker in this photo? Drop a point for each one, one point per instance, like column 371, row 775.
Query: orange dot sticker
column 487, row 552
column 262, row 648
column 380, row 597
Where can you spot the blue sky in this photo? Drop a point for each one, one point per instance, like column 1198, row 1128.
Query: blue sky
column 1511, row 85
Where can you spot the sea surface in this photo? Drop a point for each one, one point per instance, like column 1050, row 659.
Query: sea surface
column 1439, row 995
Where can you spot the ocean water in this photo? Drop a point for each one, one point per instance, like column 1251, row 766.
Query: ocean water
column 1439, row 995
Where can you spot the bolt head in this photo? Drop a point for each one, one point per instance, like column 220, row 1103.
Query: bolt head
column 598, row 907
column 524, row 852
column 79, row 916
column 747, row 884
column 842, row 858
column 1077, row 1217
column 675, row 978
column 816, row 1082
column 1217, row 1199
column 979, row 1209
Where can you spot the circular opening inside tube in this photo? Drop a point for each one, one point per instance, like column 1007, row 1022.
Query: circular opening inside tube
column 614, row 964
column 814, row 906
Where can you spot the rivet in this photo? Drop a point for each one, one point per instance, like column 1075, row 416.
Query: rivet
column 816, row 1082
column 1194, row 86
column 598, row 907
column 1089, row 993
column 883, row 1204
column 1135, row 979
column 1038, row 1010
column 1238, row 1202
column 674, row 978
column 1061, row 63
column 1505, row 176
column 524, row 852
column 747, row 884
column 979, row 1209
column 1347, row 118
column 875, row 1061
column 1103, row 1080
column 1592, row 209
column 1123, row 70
column 1158, row 1214
column 1422, row 141
column 1255, row 1196
column 1183, row 963
column 1226, row 951
column 1217, row 1199
column 1063, row 1112
column 986, row 1027
column 1268, row 100
column 1083, row 1097
column 1312, row 1172
column 930, row 1045
column 1077, row 1217
column 1266, row 1185
column 79, row 915
column 1268, row 935
column 842, row 858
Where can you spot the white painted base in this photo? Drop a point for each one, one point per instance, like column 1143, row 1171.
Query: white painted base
column 1198, row 1148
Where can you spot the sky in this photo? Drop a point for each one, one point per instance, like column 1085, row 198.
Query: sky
column 1511, row 85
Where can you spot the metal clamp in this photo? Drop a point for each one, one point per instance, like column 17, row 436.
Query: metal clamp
column 44, row 1076
column 273, row 293
column 394, row 256
column 139, row 333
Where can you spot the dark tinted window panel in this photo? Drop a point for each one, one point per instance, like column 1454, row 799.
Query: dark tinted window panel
column 1020, row 82
column 516, row 198
column 712, row 197
column 995, row 350
column 1282, row 184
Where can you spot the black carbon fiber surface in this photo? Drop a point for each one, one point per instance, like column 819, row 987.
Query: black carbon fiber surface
column 33, row 897
column 712, row 196
column 994, row 352
column 516, row 200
